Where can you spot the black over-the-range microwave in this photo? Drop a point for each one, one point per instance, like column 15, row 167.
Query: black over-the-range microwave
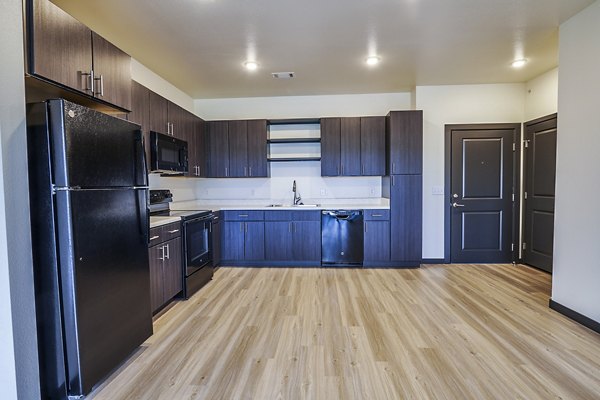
column 168, row 154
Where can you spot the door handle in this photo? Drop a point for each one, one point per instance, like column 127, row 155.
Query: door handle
column 162, row 250
column 174, row 231
column 154, row 237
column 167, row 255
column 455, row 204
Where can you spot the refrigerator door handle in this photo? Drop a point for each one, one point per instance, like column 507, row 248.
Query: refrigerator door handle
column 141, row 170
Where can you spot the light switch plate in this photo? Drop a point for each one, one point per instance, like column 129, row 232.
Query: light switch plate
column 323, row 192
column 437, row 190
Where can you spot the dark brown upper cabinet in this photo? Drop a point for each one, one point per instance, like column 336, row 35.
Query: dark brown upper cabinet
column 372, row 146
column 159, row 120
column 218, row 149
column 353, row 146
column 140, row 113
column 237, row 149
column 404, row 137
column 350, row 146
column 257, row 148
column 330, row 146
column 64, row 51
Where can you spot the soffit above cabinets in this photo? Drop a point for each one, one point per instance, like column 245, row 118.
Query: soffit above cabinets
column 201, row 45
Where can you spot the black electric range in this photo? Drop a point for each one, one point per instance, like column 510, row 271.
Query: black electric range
column 196, row 240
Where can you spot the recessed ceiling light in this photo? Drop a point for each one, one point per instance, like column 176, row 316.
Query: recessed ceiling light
column 519, row 63
column 251, row 65
column 373, row 60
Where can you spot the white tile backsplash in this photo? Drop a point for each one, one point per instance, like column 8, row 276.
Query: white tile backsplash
column 276, row 189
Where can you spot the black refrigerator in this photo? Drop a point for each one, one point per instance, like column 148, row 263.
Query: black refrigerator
column 89, row 223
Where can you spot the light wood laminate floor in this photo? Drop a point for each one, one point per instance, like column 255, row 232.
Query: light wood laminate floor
column 439, row 332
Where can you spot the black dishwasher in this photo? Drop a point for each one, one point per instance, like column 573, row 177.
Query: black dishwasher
column 342, row 238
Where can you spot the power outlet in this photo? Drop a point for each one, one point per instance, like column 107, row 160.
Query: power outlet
column 372, row 192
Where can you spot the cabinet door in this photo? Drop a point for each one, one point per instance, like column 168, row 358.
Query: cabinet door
column 350, row 146
column 155, row 256
column 254, row 241
column 140, row 113
column 405, row 218
column 216, row 242
column 61, row 47
column 405, row 131
column 200, row 146
column 330, row 147
column 172, row 269
column 233, row 240
column 257, row 149
column 377, row 241
column 218, row 154
column 177, row 117
column 238, row 149
column 307, row 240
column 112, row 73
column 372, row 146
column 158, row 113
column 278, row 240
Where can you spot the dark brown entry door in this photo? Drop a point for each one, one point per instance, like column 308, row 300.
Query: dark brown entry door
column 481, row 202
column 540, row 169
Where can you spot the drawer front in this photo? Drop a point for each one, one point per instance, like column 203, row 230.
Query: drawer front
column 242, row 215
column 162, row 233
column 155, row 236
column 171, row 231
column 278, row 215
column 306, row 215
column 377, row 215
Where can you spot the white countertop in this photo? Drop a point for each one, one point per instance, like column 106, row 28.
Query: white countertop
column 323, row 204
column 158, row 221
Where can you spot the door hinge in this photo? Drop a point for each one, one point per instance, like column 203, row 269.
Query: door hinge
column 524, row 246
column 514, row 146
column 525, row 195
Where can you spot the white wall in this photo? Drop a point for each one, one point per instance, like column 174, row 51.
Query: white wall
column 18, row 344
column 576, row 279
column 459, row 104
column 541, row 95
column 303, row 106
column 143, row 75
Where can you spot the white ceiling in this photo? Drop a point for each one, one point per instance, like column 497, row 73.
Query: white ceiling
column 200, row 45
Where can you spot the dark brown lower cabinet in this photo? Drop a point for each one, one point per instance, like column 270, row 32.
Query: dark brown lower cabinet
column 166, row 269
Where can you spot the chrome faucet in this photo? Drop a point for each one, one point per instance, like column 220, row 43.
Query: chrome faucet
column 297, row 198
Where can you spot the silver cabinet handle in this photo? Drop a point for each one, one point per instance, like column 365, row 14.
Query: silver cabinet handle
column 455, row 204
column 154, row 237
column 250, row 169
column 226, row 172
column 101, row 81
column 174, row 231
column 241, row 227
column 393, row 184
column 162, row 257
column 393, row 167
column 362, row 169
column 376, row 215
column 337, row 169
column 89, row 82
column 245, row 171
column 365, row 227
column 246, row 224
column 342, row 169
column 167, row 255
column 243, row 215
column 290, row 227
